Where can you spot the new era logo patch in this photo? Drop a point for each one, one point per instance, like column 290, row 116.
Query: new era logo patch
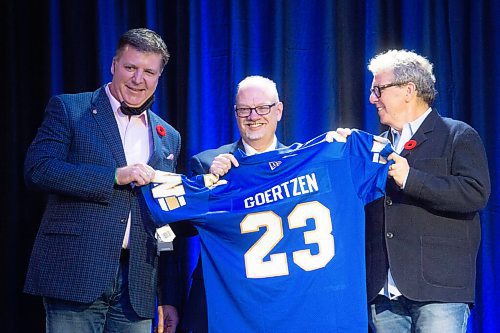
column 274, row 165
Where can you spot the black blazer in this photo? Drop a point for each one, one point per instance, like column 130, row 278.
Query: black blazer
column 429, row 232
column 195, row 315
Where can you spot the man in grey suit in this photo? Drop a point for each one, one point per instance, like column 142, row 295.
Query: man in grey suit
column 94, row 259
column 422, row 240
column 258, row 111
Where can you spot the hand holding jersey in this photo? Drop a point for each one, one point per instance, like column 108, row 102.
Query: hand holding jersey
column 222, row 164
column 139, row 174
column 399, row 170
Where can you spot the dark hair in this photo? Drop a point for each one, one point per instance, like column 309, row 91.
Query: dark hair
column 144, row 40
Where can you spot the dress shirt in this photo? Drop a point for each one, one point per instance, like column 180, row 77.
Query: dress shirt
column 136, row 139
column 249, row 150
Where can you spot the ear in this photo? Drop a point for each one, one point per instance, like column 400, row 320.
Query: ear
column 411, row 88
column 279, row 108
column 411, row 91
column 113, row 64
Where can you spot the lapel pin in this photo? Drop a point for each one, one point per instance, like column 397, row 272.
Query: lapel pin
column 410, row 144
column 161, row 130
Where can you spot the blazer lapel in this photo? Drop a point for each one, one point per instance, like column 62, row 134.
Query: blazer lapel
column 421, row 135
column 237, row 145
column 103, row 114
column 155, row 154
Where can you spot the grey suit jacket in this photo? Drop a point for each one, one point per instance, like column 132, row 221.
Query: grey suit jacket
column 73, row 159
column 429, row 232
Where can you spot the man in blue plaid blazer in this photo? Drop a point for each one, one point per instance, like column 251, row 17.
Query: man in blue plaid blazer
column 94, row 259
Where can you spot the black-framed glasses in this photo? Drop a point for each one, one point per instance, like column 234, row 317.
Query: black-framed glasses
column 261, row 110
column 377, row 90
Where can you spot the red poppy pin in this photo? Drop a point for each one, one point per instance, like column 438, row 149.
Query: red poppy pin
column 161, row 130
column 410, row 144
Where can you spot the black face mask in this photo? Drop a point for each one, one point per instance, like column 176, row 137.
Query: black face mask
column 130, row 111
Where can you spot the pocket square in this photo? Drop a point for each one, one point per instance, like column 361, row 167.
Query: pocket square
column 170, row 157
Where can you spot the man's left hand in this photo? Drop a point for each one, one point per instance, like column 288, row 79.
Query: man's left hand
column 399, row 170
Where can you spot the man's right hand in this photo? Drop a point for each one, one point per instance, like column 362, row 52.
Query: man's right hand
column 139, row 174
column 222, row 164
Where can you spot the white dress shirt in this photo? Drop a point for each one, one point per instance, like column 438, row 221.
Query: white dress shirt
column 136, row 139
column 249, row 150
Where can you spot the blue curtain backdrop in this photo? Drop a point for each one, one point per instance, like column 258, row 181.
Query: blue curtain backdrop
column 316, row 51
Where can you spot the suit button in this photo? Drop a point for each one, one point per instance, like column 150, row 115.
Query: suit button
column 123, row 220
column 388, row 201
column 389, row 235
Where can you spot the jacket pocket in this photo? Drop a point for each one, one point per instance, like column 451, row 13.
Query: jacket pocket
column 446, row 261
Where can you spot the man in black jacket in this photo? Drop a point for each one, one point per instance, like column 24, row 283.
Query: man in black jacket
column 422, row 239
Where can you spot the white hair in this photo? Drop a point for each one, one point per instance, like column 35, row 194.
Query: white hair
column 407, row 66
column 260, row 82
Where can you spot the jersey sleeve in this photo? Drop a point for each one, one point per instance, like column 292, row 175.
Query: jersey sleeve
column 369, row 164
column 174, row 197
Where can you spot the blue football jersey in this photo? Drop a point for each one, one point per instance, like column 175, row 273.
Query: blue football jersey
column 282, row 235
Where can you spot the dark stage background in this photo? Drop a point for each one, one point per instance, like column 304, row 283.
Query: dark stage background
column 315, row 50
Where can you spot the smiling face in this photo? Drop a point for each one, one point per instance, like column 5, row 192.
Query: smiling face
column 256, row 130
column 391, row 106
column 135, row 75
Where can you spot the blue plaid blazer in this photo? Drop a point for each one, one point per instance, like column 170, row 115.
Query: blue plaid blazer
column 73, row 159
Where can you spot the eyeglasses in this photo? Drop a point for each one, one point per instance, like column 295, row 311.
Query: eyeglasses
column 377, row 90
column 261, row 110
